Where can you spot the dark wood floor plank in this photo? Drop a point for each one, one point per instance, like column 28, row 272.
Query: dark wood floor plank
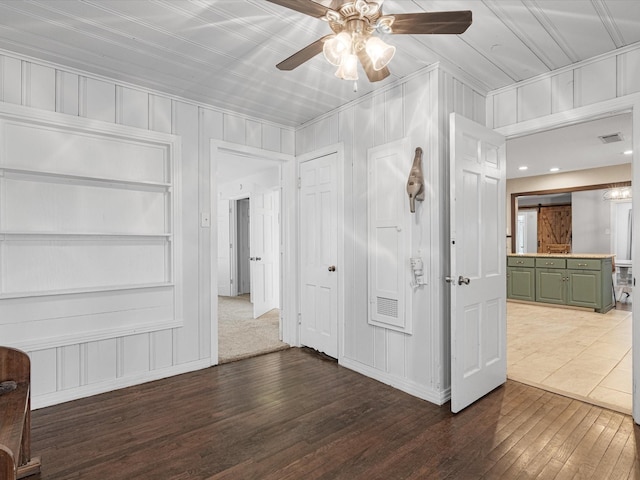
column 544, row 447
column 293, row 415
column 596, row 453
column 581, row 454
column 531, row 440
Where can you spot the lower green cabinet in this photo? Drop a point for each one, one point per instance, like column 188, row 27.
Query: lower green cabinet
column 521, row 283
column 580, row 282
column 551, row 286
column 521, row 278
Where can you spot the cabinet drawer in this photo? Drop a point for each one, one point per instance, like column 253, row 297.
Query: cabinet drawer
column 551, row 263
column 521, row 262
column 583, row 264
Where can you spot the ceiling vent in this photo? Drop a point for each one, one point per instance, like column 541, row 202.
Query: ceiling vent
column 612, row 138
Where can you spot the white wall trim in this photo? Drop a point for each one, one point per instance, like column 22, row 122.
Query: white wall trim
column 48, row 399
column 602, row 109
column 96, row 335
column 569, row 68
column 151, row 91
column 576, row 115
column 412, row 388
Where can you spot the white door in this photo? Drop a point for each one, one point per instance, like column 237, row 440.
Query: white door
column 243, row 248
column 478, row 258
column 318, row 255
column 263, row 212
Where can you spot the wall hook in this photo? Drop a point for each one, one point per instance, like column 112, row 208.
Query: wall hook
column 415, row 184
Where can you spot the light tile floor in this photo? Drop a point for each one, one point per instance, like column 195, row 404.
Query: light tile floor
column 580, row 354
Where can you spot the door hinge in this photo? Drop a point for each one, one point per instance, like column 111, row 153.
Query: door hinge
column 299, row 182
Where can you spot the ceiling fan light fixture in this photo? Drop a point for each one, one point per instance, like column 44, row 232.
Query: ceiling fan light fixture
column 365, row 8
column 333, row 17
column 348, row 69
column 336, row 47
column 379, row 52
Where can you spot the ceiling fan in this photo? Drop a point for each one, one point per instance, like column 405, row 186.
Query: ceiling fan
column 354, row 25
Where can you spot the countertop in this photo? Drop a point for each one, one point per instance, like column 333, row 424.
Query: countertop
column 563, row 255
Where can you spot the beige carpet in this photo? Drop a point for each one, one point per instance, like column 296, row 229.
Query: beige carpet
column 242, row 336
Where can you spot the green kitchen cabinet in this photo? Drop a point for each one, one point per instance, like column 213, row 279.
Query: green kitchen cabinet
column 590, row 283
column 551, row 286
column 550, row 280
column 575, row 281
column 521, row 279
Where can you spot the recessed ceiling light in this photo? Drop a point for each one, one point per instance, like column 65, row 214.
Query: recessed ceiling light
column 628, row 152
column 523, row 167
column 554, row 169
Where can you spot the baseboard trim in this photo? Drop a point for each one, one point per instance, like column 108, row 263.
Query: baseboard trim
column 49, row 399
column 403, row 384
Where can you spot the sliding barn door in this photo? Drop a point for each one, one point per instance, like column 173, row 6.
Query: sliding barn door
column 554, row 229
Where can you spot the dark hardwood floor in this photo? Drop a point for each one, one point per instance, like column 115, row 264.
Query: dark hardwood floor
column 295, row 415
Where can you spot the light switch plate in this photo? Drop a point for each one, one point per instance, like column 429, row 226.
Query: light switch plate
column 205, row 220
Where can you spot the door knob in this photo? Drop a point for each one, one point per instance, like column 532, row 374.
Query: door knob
column 448, row 279
column 332, row 268
column 463, row 280
column 258, row 259
column 251, row 259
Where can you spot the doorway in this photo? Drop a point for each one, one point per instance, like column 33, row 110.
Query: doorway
column 248, row 301
column 580, row 354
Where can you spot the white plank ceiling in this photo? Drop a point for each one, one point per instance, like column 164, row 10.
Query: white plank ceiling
column 223, row 52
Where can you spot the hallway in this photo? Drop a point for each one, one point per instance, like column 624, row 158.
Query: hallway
column 242, row 336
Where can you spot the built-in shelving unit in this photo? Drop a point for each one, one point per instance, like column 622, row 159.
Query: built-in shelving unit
column 87, row 212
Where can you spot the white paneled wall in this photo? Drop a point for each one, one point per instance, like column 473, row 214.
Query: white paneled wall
column 79, row 364
column 418, row 110
column 603, row 78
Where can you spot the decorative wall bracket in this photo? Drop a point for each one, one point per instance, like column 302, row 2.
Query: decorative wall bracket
column 415, row 183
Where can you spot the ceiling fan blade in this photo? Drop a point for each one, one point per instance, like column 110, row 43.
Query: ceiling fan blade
column 308, row 7
column 372, row 74
column 301, row 56
column 432, row 22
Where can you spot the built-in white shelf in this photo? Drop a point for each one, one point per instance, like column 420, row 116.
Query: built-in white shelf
column 84, row 234
column 76, row 291
column 90, row 230
column 83, row 179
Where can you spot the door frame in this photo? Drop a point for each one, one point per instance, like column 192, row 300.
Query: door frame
column 577, row 115
column 338, row 150
column 287, row 230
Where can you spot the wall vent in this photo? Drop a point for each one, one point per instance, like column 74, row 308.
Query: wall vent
column 611, row 138
column 387, row 307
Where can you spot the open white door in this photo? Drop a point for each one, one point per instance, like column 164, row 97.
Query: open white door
column 318, row 254
column 262, row 249
column 478, row 259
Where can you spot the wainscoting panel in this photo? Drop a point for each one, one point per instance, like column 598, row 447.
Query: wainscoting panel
column 78, row 340
column 603, row 78
column 416, row 109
